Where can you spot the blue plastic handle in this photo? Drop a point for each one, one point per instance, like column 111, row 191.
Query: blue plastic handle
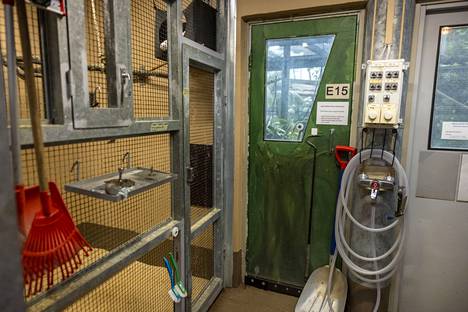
column 169, row 270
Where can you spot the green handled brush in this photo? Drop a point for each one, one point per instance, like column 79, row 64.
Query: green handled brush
column 179, row 285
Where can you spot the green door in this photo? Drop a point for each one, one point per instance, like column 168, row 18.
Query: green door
column 296, row 67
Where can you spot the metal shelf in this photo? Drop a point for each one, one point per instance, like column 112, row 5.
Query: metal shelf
column 143, row 178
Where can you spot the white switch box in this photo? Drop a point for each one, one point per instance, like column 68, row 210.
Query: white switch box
column 384, row 85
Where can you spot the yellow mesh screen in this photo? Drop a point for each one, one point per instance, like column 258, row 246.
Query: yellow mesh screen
column 107, row 225
column 150, row 82
column 201, row 107
column 96, row 53
column 202, row 257
column 142, row 286
column 37, row 59
column 201, row 139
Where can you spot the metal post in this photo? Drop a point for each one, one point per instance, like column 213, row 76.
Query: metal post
column 219, row 144
column 380, row 44
column 231, row 9
column 12, row 92
column 182, row 242
column 11, row 277
column 54, row 56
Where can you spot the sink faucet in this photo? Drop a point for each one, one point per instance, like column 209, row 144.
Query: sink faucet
column 375, row 186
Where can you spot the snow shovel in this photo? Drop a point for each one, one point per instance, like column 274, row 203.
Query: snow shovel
column 316, row 295
column 52, row 239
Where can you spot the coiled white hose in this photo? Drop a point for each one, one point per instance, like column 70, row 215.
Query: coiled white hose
column 343, row 213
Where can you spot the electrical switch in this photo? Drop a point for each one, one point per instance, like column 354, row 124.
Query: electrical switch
column 384, row 84
column 388, row 115
column 372, row 115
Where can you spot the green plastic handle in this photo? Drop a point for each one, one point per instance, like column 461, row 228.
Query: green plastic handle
column 176, row 268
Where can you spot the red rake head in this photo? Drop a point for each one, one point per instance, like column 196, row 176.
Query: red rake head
column 53, row 244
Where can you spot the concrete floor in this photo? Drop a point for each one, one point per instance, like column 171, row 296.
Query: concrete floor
column 246, row 298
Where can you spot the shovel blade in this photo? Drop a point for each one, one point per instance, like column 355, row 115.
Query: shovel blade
column 315, row 292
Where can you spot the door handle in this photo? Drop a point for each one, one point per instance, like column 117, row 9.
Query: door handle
column 331, row 141
column 125, row 81
column 190, row 175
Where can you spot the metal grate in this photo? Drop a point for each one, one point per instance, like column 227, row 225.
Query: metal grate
column 202, row 261
column 96, row 53
column 142, row 286
column 201, row 189
column 201, row 107
column 201, row 141
column 33, row 24
column 150, row 82
column 107, row 225
column 200, row 18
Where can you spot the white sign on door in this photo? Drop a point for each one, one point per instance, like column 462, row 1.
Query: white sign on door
column 332, row 113
column 453, row 130
column 337, row 91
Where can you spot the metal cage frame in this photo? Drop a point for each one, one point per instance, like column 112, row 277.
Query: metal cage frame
column 72, row 121
column 203, row 58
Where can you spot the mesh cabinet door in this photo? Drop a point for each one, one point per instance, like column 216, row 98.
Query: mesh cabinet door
column 101, row 75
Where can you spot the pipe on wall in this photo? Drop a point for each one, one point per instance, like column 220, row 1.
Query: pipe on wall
column 388, row 32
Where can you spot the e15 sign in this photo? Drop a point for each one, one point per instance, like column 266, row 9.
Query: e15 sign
column 337, row 91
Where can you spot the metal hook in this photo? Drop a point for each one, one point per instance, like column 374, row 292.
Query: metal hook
column 93, row 97
column 127, row 156
column 76, row 167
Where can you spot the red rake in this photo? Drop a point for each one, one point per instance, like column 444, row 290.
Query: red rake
column 53, row 242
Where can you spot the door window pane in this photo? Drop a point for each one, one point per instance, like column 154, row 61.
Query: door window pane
column 294, row 69
column 450, row 107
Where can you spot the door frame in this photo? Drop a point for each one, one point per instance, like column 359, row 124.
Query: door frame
column 245, row 133
column 198, row 56
column 421, row 12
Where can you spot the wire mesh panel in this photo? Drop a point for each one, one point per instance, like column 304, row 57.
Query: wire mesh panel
column 97, row 83
column 142, row 286
column 33, row 24
column 202, row 261
column 150, row 73
column 201, row 141
column 107, row 225
column 200, row 21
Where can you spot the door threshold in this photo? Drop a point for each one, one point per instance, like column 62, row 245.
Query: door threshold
column 281, row 288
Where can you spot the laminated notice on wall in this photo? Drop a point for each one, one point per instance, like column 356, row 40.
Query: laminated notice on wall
column 332, row 113
column 454, row 130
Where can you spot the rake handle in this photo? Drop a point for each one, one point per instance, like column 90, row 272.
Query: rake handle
column 34, row 108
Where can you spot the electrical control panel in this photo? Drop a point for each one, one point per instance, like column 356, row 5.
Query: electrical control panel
column 384, row 85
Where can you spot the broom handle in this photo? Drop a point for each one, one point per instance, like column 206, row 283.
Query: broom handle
column 12, row 90
column 34, row 109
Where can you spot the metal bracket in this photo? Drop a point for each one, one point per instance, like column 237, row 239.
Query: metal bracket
column 70, row 83
column 189, row 175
